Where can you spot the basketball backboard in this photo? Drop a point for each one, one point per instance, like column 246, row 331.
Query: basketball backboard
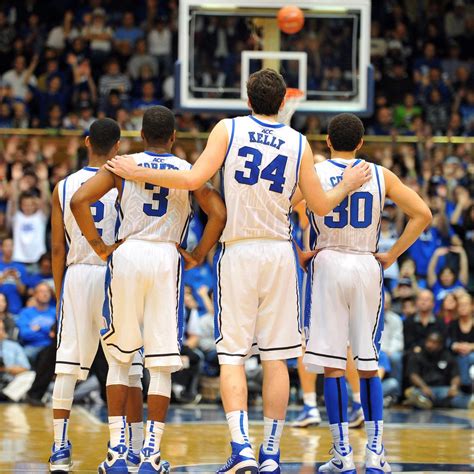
column 222, row 43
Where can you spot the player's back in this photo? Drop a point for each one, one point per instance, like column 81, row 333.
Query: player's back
column 104, row 213
column 354, row 225
column 152, row 213
column 259, row 177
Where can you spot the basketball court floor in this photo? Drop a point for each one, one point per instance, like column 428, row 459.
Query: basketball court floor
column 196, row 440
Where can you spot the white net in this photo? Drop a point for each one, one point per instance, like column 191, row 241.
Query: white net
column 293, row 98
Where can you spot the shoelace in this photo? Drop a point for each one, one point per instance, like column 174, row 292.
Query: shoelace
column 229, row 462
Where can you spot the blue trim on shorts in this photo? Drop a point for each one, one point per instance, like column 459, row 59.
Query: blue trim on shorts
column 180, row 319
column 299, row 284
column 107, row 308
column 308, row 297
column 379, row 323
column 217, row 294
column 60, row 315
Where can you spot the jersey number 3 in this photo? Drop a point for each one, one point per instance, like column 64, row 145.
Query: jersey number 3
column 160, row 199
column 273, row 172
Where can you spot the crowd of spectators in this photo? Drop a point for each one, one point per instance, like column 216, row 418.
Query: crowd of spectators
column 64, row 64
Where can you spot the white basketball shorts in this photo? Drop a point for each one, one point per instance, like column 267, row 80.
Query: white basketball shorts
column 144, row 303
column 345, row 304
column 256, row 301
column 80, row 321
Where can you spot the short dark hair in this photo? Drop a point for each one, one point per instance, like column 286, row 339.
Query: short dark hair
column 158, row 125
column 345, row 132
column 266, row 90
column 103, row 135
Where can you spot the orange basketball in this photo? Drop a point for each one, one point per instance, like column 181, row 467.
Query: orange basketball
column 290, row 19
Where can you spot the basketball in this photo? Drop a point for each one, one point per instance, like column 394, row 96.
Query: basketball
column 290, row 19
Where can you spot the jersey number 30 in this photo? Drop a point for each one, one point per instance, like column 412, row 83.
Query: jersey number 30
column 352, row 218
column 273, row 172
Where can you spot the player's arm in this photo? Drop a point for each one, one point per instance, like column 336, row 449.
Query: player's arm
column 320, row 202
column 91, row 191
column 58, row 243
column 419, row 216
column 211, row 203
column 207, row 165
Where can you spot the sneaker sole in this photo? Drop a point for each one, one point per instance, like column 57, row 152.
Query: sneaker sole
column 374, row 470
column 117, row 470
column 60, row 467
column 306, row 423
column 357, row 424
column 247, row 470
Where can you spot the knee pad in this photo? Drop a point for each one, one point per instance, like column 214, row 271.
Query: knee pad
column 160, row 382
column 118, row 374
column 135, row 381
column 63, row 392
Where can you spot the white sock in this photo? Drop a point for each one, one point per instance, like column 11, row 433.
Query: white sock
column 60, row 426
column 154, row 432
column 374, row 430
column 239, row 426
column 309, row 399
column 117, row 427
column 271, row 435
column 356, row 397
column 340, row 437
column 135, row 437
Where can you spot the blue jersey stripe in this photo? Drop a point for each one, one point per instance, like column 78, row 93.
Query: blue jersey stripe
column 265, row 124
column 298, row 164
column 335, row 163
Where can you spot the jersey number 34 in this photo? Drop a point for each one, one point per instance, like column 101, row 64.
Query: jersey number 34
column 273, row 172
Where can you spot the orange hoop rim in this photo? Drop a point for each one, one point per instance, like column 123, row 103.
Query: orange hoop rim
column 293, row 93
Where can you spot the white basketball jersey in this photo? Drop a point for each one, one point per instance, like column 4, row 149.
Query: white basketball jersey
column 354, row 225
column 151, row 212
column 259, row 177
column 103, row 211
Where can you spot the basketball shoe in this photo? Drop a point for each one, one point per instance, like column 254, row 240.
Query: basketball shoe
column 61, row 459
column 339, row 463
column 116, row 461
column 241, row 461
column 309, row 416
column 356, row 416
column 376, row 463
column 150, row 462
column 269, row 462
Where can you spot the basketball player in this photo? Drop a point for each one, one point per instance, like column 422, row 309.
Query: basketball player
column 79, row 277
column 347, row 289
column 256, row 294
column 144, row 278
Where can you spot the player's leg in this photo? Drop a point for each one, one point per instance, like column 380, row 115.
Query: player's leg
column 327, row 348
column 367, row 314
column 236, row 305
column 162, row 329
column 279, row 338
column 356, row 414
column 309, row 415
column 78, row 340
column 135, row 412
column 121, row 340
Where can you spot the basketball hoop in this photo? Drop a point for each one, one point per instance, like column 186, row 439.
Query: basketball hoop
column 293, row 98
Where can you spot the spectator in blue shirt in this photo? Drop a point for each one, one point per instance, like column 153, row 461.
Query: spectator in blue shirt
column 126, row 36
column 44, row 273
column 34, row 323
column 12, row 277
column 148, row 98
column 447, row 279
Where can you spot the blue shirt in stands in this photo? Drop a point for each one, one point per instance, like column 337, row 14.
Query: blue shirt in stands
column 30, row 317
column 13, row 354
column 440, row 292
column 8, row 287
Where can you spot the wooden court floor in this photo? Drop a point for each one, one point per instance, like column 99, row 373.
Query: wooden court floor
column 196, row 440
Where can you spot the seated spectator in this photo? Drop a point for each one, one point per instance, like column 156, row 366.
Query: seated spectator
column 390, row 385
column 15, row 375
column 29, row 216
column 418, row 327
column 35, row 322
column 461, row 339
column 447, row 279
column 408, row 308
column 449, row 308
column 127, row 35
column 5, row 116
column 466, row 109
column 99, row 36
column 404, row 114
column 44, row 274
column 141, row 58
column 383, row 124
column 160, row 44
column 12, row 277
column 61, row 34
column 19, row 78
column 148, row 98
column 21, row 118
column 186, row 381
column 434, row 377
column 387, row 238
column 437, row 113
column 392, row 342
column 112, row 105
column 428, row 60
column 5, row 316
column 113, row 79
